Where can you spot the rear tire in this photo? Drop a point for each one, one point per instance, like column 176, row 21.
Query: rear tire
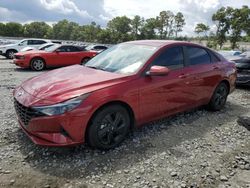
column 37, row 64
column 85, row 60
column 10, row 54
column 109, row 127
column 219, row 97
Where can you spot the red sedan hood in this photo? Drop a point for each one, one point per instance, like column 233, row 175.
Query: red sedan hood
column 65, row 83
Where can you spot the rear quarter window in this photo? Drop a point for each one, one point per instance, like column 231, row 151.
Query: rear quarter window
column 198, row 56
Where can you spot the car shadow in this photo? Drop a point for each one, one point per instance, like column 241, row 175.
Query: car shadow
column 243, row 87
column 82, row 161
column 18, row 69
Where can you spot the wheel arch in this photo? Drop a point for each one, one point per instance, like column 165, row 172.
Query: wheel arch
column 37, row 57
column 227, row 83
column 11, row 49
column 115, row 102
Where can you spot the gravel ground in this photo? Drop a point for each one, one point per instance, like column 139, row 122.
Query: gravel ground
column 192, row 149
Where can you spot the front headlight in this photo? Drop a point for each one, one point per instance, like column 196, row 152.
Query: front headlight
column 63, row 107
column 22, row 57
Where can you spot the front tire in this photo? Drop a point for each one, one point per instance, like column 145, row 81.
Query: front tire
column 10, row 54
column 219, row 97
column 85, row 60
column 37, row 64
column 109, row 127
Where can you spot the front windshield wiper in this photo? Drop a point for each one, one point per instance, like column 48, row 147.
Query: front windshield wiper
column 97, row 68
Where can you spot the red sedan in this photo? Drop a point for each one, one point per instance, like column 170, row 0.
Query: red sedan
column 54, row 56
column 123, row 87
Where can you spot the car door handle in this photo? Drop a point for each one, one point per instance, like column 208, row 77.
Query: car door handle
column 184, row 76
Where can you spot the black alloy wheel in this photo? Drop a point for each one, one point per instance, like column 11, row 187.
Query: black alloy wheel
column 219, row 97
column 109, row 127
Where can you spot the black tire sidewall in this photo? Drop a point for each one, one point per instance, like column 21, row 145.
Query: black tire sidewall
column 8, row 53
column 32, row 61
column 92, row 137
column 212, row 105
column 85, row 60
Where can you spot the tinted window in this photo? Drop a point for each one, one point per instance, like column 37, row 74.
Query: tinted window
column 198, row 56
column 100, row 47
column 64, row 49
column 69, row 49
column 24, row 42
column 36, row 42
column 74, row 49
column 171, row 57
column 213, row 56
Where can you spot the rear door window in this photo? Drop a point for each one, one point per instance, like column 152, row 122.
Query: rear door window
column 74, row 49
column 198, row 56
column 172, row 58
column 36, row 42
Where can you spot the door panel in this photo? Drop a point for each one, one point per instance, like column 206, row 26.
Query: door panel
column 203, row 72
column 165, row 95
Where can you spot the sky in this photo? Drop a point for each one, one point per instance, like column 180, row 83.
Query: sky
column 101, row 11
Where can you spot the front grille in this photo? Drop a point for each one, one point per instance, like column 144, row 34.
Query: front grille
column 24, row 113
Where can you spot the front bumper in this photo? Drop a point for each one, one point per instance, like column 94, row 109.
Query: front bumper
column 61, row 130
column 243, row 79
column 21, row 63
column 49, row 139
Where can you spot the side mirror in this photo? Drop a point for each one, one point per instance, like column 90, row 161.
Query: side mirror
column 20, row 44
column 57, row 50
column 158, row 71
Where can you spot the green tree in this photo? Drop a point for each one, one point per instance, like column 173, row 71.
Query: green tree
column 2, row 29
column 223, row 24
column 136, row 25
column 148, row 30
column 104, row 36
column 239, row 22
column 63, row 29
column 179, row 22
column 37, row 29
column 13, row 29
column 91, row 31
column 120, row 29
column 165, row 24
column 201, row 28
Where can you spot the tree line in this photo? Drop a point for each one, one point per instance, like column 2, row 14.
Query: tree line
column 231, row 24
column 119, row 29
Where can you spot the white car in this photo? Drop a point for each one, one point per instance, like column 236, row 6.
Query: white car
column 10, row 49
column 96, row 48
column 42, row 47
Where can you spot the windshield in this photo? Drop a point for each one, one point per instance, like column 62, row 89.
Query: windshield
column 45, row 46
column 52, row 48
column 122, row 58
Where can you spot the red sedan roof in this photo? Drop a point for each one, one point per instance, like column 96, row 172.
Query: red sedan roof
column 156, row 43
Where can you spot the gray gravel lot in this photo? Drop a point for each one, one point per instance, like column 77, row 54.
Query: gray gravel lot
column 192, row 149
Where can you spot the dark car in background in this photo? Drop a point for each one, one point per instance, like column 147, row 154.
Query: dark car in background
column 243, row 69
